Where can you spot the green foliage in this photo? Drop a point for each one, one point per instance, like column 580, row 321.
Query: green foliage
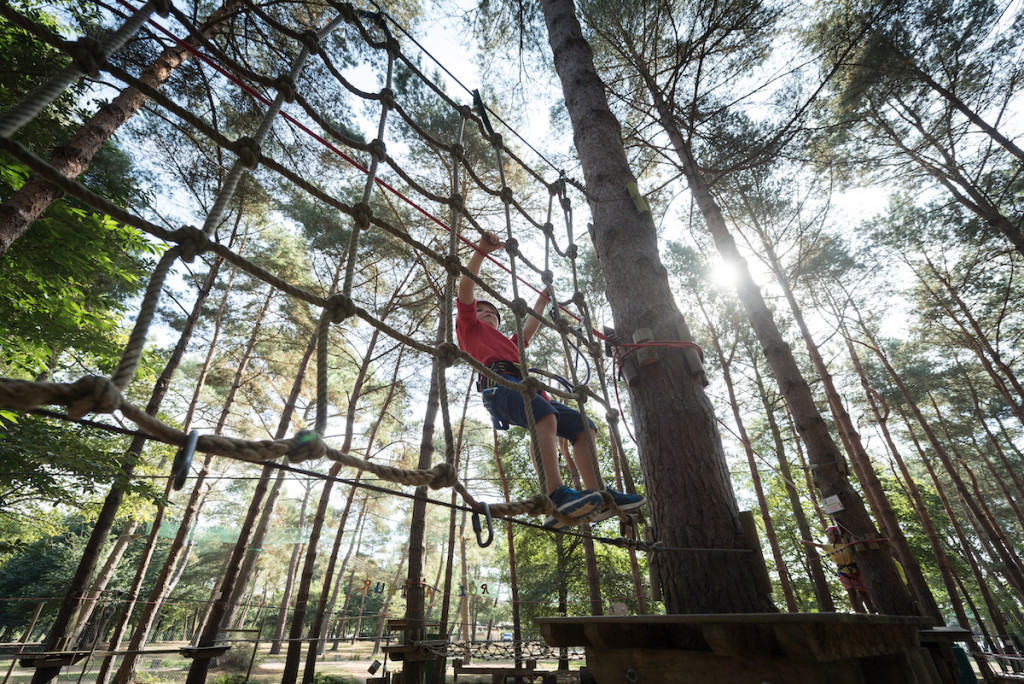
column 321, row 678
column 232, row 678
column 67, row 287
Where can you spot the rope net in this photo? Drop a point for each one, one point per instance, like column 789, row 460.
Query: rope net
column 440, row 184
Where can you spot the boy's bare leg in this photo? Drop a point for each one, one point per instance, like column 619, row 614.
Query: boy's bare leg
column 547, row 436
column 584, row 460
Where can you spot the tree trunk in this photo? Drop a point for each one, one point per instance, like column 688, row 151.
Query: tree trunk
column 1008, row 467
column 99, row 585
column 384, row 615
column 812, row 560
column 72, row 158
column 60, row 632
column 913, row 493
column 293, row 567
column 755, row 475
column 357, row 533
column 978, row 342
column 876, row 496
column 416, row 550
column 1013, row 575
column 829, row 467
column 190, row 514
column 690, row 497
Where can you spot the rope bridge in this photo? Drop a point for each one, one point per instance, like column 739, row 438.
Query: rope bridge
column 289, row 111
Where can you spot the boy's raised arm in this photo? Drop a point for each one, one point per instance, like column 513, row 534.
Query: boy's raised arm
column 488, row 243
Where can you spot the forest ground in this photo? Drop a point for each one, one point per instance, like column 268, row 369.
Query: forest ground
column 351, row 662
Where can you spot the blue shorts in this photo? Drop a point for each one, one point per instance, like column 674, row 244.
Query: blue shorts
column 507, row 405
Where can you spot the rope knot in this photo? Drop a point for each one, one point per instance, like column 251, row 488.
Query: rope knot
column 286, row 86
column 87, row 52
column 457, row 202
column 578, row 299
column 547, row 277
column 465, row 111
column 96, row 394
column 612, row 416
column 519, row 307
column 339, row 307
column 192, row 242
column 306, row 445
column 572, row 251
column 377, row 148
column 394, row 50
column 447, row 354
column 162, row 7
column 548, row 228
column 495, row 139
column 459, row 151
column 362, row 213
column 443, row 475
column 529, row 387
column 452, row 265
column 310, row 39
column 512, row 247
column 506, row 195
column 248, row 151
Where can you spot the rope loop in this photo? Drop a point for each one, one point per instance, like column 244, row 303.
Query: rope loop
column 512, row 247
column 506, row 195
column 452, row 265
column 362, row 213
column 192, row 242
column 311, row 40
column 377, row 148
column 443, row 475
column 529, row 387
column 339, row 307
column 448, row 354
column 87, row 52
column 457, row 201
column 248, row 151
column 162, row 7
column 95, row 394
column 306, row 445
column 286, row 86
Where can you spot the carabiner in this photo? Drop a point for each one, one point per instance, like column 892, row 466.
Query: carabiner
column 477, row 527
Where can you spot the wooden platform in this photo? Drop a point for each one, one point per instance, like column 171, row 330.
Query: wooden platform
column 499, row 675
column 809, row 648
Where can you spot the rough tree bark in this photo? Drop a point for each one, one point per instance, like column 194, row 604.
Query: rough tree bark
column 690, row 496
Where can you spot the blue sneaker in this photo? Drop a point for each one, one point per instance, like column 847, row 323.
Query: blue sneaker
column 625, row 502
column 573, row 504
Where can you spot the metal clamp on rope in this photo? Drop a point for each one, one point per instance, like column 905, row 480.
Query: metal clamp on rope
column 478, row 527
column 183, row 461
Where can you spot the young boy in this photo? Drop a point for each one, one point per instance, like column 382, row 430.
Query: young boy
column 477, row 326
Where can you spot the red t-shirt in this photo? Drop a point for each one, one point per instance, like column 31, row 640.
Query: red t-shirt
column 481, row 341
